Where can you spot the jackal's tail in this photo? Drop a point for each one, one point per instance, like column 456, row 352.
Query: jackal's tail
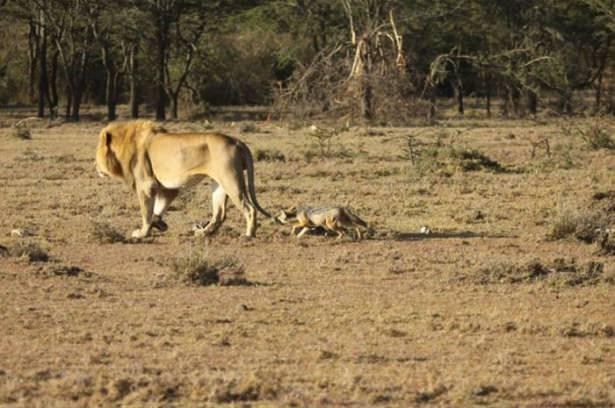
column 356, row 220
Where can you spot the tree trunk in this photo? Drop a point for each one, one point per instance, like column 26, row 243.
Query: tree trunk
column 110, row 94
column 110, row 83
column 42, row 77
column 174, row 105
column 161, row 36
column 366, row 105
column 432, row 104
column 598, row 94
column 33, row 52
column 532, row 102
column 458, row 89
column 488, row 95
column 69, row 102
column 53, row 86
column 134, row 98
column 111, row 97
column 565, row 102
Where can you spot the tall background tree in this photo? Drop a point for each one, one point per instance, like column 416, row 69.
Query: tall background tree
column 366, row 60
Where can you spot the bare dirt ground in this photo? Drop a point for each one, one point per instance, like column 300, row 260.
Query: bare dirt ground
column 485, row 310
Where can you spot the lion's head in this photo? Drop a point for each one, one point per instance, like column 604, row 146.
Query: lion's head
column 118, row 145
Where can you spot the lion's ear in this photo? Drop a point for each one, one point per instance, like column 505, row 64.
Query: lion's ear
column 107, row 138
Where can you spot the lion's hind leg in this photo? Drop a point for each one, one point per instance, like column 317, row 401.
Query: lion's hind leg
column 218, row 215
column 163, row 199
column 236, row 190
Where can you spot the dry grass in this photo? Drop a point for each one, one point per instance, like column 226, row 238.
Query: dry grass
column 30, row 251
column 483, row 311
column 105, row 233
column 197, row 268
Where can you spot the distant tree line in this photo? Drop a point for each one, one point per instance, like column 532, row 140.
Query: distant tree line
column 369, row 59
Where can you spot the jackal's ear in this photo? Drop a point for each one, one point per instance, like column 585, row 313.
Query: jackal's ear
column 291, row 210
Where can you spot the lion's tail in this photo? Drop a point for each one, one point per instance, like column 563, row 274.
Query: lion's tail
column 249, row 165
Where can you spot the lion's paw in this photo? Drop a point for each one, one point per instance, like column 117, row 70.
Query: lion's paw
column 138, row 233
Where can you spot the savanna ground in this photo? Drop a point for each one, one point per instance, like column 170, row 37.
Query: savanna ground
column 500, row 305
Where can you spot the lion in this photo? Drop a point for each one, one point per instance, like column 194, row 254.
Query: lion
column 157, row 164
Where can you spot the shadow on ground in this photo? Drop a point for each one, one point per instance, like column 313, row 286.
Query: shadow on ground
column 417, row 236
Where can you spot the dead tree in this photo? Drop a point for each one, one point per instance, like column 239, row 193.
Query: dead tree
column 373, row 34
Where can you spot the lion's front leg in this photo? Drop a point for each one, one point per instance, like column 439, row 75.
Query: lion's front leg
column 146, row 202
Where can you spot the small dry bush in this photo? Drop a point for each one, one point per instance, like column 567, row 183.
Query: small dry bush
column 269, row 155
column 584, row 225
column 65, row 271
column 198, row 269
column 590, row 223
column 246, row 390
column 30, row 251
column 105, row 233
column 597, row 134
column 21, row 133
column 559, row 272
column 446, row 160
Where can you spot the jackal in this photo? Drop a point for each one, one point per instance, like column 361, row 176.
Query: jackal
column 336, row 219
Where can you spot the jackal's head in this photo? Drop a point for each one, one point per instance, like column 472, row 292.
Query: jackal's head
column 286, row 216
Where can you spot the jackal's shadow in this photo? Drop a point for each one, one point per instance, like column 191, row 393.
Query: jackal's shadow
column 419, row 236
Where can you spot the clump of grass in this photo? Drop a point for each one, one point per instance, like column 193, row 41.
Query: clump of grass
column 250, row 128
column 198, row 269
column 584, row 225
column 246, row 390
column 21, row 133
column 446, row 160
column 269, row 155
column 560, row 271
column 28, row 250
column 323, row 143
column 105, row 233
column 65, row 271
column 474, row 160
column 597, row 134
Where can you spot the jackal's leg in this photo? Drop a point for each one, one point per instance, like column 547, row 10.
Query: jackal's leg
column 334, row 225
column 359, row 234
column 295, row 228
column 303, row 231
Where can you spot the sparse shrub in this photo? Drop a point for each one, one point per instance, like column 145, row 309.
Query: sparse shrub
column 197, row 269
column 269, row 155
column 582, row 225
column 597, row 133
column 323, row 138
column 446, row 160
column 30, row 251
column 558, row 272
column 474, row 160
column 249, row 128
column 105, row 233
column 21, row 133
column 55, row 270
